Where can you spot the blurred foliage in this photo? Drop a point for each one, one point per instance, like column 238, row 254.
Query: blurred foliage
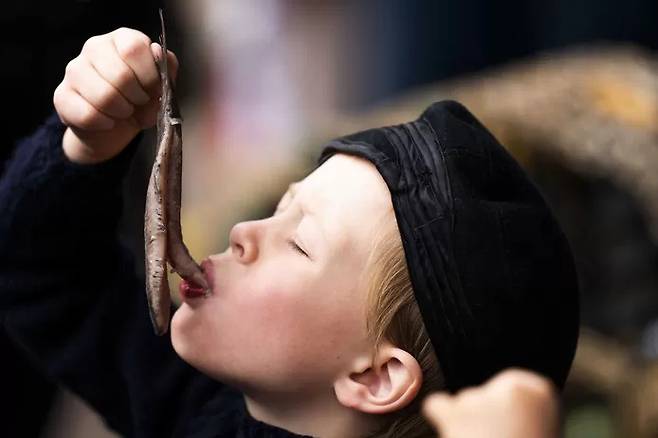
column 589, row 421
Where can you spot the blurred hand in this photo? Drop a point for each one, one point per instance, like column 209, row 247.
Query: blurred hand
column 109, row 93
column 512, row 404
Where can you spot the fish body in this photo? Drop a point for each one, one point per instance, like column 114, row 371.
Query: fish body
column 163, row 237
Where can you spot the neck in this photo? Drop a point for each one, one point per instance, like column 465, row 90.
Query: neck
column 321, row 417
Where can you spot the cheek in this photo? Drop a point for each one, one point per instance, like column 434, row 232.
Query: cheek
column 308, row 329
column 276, row 313
column 248, row 326
column 292, row 329
column 304, row 311
column 269, row 328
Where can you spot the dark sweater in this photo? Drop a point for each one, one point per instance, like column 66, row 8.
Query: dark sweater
column 70, row 298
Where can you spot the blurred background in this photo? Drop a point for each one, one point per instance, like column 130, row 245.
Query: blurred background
column 570, row 87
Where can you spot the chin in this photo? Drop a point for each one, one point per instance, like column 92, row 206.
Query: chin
column 190, row 342
column 180, row 338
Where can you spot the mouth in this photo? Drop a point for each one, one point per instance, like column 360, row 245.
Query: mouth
column 209, row 273
column 190, row 290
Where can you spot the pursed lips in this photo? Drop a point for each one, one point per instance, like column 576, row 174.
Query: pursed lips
column 209, row 272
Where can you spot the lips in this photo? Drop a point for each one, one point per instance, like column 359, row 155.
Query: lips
column 190, row 290
column 208, row 271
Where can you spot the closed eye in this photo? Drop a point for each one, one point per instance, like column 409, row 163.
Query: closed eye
column 296, row 247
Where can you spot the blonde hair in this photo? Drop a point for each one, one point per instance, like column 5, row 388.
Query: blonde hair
column 393, row 315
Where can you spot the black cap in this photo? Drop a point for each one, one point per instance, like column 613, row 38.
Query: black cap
column 491, row 270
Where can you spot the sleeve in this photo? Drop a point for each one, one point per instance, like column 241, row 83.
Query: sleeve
column 69, row 295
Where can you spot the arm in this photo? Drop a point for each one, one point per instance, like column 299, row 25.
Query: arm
column 68, row 293
column 69, row 296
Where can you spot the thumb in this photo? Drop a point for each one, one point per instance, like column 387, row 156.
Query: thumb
column 172, row 60
column 436, row 408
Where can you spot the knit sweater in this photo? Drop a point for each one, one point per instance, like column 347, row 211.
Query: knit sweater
column 69, row 297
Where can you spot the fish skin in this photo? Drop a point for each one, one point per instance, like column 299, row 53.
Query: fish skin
column 155, row 238
column 163, row 240
column 177, row 253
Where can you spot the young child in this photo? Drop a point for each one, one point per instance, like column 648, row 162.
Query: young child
column 414, row 258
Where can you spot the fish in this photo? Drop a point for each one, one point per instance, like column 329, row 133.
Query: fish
column 163, row 239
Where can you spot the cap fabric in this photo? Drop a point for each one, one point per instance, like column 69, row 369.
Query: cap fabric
column 491, row 270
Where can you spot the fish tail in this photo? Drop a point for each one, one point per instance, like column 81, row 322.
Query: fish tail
column 162, row 62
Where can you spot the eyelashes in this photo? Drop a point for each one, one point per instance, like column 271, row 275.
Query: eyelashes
column 291, row 243
column 296, row 247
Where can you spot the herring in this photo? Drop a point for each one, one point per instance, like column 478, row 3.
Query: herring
column 163, row 240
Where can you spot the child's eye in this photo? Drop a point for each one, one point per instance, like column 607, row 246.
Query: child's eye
column 296, row 247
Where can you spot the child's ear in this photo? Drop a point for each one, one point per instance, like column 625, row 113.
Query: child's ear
column 388, row 384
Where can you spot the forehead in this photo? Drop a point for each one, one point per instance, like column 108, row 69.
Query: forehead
column 348, row 196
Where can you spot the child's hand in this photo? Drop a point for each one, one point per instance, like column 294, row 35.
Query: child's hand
column 514, row 403
column 109, row 93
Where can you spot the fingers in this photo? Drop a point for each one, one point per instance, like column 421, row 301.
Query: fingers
column 85, row 80
column 172, row 61
column 444, row 410
column 110, row 66
column 434, row 406
column 113, row 82
column 146, row 116
column 479, row 410
column 74, row 110
column 134, row 48
column 516, row 380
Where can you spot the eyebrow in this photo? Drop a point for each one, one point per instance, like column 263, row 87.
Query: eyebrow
column 293, row 189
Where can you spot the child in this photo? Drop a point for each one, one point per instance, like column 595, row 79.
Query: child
column 414, row 258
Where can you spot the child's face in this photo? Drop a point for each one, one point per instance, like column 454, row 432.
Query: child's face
column 278, row 320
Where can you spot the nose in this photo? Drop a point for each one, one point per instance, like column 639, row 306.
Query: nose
column 244, row 238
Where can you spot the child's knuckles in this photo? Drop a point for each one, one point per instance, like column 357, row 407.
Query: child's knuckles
column 521, row 393
column 91, row 43
column 77, row 73
column 71, row 66
column 131, row 49
column 131, row 44
column 534, row 387
column 519, row 382
column 128, row 33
